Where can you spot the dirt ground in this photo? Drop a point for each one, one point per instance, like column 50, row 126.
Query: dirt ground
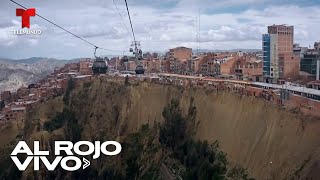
column 251, row 132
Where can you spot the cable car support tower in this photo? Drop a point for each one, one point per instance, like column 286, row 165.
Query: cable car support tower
column 136, row 48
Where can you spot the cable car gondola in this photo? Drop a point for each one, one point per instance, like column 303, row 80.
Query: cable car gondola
column 99, row 66
column 125, row 59
column 139, row 69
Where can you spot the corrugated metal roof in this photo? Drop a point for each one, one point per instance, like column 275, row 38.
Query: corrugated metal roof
column 18, row 109
column 290, row 87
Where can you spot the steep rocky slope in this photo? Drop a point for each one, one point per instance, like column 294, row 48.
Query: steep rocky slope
column 17, row 73
column 251, row 132
column 12, row 79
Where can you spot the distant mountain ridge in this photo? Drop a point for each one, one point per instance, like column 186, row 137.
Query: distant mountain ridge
column 230, row 50
column 34, row 60
column 27, row 61
column 17, row 73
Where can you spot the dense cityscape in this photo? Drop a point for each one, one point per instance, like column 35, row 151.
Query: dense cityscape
column 283, row 72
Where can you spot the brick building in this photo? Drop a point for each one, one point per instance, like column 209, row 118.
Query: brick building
column 209, row 65
column 227, row 68
column 23, row 91
column 279, row 60
column 165, row 65
column 131, row 65
column 71, row 67
column 180, row 53
column 6, row 97
column 291, row 66
column 179, row 66
column 248, row 70
column 116, row 63
column 150, row 56
column 85, row 67
column 195, row 64
column 155, row 65
column 17, row 113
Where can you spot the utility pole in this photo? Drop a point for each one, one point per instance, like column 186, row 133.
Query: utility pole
column 199, row 18
column 117, row 63
column 138, row 56
column 198, row 31
column 126, row 67
column 318, row 68
column 160, row 65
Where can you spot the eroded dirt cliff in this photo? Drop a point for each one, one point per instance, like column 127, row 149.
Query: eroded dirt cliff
column 251, row 132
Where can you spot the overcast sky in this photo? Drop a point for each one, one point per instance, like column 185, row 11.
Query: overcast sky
column 159, row 25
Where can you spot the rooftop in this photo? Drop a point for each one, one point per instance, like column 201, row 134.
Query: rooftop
column 18, row 109
column 317, row 82
column 280, row 25
column 82, row 76
column 290, row 87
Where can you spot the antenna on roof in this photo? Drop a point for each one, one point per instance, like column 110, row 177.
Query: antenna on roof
column 198, row 32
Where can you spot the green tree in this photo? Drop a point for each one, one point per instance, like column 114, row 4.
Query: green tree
column 59, row 120
column 201, row 160
column 2, row 105
column 126, row 80
column 71, row 86
column 239, row 173
column 173, row 130
column 73, row 127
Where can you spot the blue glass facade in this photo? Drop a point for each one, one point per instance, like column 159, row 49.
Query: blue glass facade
column 309, row 63
column 266, row 55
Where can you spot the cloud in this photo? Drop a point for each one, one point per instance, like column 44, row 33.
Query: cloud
column 5, row 24
column 33, row 42
column 225, row 24
column 9, row 39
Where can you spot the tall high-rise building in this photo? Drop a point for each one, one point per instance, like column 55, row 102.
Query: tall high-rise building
column 284, row 36
column 279, row 61
column 310, row 61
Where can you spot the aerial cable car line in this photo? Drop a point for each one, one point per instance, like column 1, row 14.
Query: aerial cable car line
column 134, row 37
column 115, row 5
column 95, row 46
column 137, row 51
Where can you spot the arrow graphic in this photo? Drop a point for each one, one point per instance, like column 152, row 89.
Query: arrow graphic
column 86, row 163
